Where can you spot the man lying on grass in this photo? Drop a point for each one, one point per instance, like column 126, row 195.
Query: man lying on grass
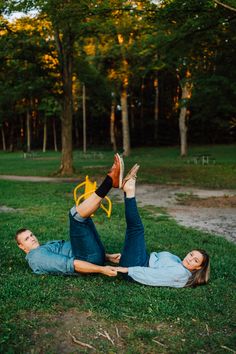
column 85, row 252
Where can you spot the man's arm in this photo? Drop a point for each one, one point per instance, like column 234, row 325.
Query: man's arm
column 86, row 267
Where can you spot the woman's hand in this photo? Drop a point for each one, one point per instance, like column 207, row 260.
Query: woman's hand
column 114, row 257
column 122, row 269
column 109, row 271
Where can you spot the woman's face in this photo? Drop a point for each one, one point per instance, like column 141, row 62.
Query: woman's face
column 193, row 260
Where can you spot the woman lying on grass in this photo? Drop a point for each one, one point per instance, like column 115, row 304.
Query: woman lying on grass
column 156, row 269
column 85, row 252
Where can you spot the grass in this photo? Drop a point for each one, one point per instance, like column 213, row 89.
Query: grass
column 37, row 312
column 158, row 165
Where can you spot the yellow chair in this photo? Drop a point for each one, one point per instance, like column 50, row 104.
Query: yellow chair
column 89, row 188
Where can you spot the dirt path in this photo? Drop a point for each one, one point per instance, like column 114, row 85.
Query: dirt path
column 208, row 210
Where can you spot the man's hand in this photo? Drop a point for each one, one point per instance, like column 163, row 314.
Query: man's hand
column 122, row 269
column 114, row 257
column 109, row 271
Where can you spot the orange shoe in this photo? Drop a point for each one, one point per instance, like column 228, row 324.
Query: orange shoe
column 117, row 171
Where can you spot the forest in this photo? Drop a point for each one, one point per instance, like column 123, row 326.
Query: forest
column 117, row 74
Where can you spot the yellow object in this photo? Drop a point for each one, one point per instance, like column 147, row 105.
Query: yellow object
column 89, row 188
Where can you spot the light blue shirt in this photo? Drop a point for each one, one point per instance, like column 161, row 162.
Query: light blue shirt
column 52, row 257
column 165, row 269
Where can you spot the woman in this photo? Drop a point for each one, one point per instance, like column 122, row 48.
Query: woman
column 158, row 269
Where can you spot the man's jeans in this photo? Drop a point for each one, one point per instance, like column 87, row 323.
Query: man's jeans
column 85, row 241
column 134, row 252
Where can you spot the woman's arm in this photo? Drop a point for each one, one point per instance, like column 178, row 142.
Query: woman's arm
column 86, row 267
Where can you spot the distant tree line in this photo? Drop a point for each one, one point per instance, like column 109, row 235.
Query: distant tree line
column 116, row 73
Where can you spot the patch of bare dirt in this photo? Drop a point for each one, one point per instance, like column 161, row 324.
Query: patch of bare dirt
column 212, row 202
column 82, row 332
column 6, row 209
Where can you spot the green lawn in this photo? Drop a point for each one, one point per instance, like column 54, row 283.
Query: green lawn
column 38, row 313
column 158, row 165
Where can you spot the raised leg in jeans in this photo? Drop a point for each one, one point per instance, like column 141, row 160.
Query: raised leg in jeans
column 85, row 241
column 134, row 252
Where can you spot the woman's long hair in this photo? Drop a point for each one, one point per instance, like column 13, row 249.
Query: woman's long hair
column 200, row 276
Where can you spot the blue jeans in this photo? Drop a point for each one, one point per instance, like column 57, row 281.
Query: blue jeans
column 85, row 241
column 134, row 252
column 86, row 244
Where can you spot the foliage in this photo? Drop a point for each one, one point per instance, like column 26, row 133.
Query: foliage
column 160, row 40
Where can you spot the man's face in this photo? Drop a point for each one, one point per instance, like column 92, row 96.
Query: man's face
column 193, row 260
column 27, row 241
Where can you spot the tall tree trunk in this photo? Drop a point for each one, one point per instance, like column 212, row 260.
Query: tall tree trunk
column 183, row 131
column 156, row 109
column 84, row 121
column 65, row 50
column 125, row 121
column 45, row 135
column 112, row 125
column 186, row 86
column 54, row 134
column 3, row 139
column 28, row 130
column 11, row 136
column 124, row 97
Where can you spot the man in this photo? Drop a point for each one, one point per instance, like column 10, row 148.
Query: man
column 84, row 253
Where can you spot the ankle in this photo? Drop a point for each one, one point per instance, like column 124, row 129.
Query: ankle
column 130, row 193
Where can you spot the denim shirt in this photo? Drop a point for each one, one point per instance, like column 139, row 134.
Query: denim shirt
column 165, row 269
column 52, row 257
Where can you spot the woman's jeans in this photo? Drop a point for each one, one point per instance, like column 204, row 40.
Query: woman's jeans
column 85, row 241
column 134, row 252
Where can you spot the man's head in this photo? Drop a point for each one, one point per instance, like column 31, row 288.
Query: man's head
column 26, row 240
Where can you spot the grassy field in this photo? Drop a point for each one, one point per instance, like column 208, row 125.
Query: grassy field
column 40, row 314
column 158, row 165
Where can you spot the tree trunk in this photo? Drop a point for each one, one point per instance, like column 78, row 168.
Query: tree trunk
column 183, row 131
column 184, row 114
column 112, row 125
column 65, row 50
column 54, row 134
column 44, row 135
column 124, row 97
column 156, row 109
column 3, row 139
column 84, row 121
column 11, row 136
column 28, row 130
column 125, row 122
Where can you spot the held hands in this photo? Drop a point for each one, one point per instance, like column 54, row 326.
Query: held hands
column 109, row 271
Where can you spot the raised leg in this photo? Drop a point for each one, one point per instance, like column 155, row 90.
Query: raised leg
column 85, row 240
column 134, row 252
